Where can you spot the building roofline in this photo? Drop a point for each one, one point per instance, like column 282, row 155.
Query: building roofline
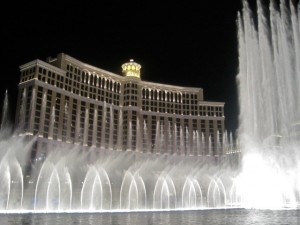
column 41, row 63
column 179, row 88
column 94, row 68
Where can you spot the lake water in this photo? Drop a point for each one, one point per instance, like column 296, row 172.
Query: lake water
column 205, row 217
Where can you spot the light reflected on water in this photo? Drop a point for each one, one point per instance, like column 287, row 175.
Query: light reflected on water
column 206, row 217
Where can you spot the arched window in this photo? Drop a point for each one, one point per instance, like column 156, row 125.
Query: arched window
column 103, row 82
column 110, row 85
column 91, row 79
column 115, row 87
column 86, row 78
column 82, row 77
column 95, row 80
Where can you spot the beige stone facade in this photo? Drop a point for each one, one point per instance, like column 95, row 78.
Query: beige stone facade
column 64, row 100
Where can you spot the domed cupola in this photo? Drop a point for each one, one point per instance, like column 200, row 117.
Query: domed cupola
column 131, row 69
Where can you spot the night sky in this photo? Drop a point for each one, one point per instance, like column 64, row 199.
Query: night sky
column 186, row 43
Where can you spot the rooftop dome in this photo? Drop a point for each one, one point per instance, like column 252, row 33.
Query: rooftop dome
column 131, row 69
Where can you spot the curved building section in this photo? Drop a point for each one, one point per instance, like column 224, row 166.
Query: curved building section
column 63, row 100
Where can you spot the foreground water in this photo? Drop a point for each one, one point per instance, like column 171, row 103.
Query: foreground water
column 207, row 217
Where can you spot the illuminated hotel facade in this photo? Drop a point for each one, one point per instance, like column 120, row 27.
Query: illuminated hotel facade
column 65, row 101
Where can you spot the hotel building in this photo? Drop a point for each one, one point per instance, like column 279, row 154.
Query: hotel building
column 65, row 101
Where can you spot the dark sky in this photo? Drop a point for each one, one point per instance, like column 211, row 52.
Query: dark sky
column 187, row 43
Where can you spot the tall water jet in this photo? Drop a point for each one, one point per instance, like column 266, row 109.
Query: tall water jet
column 111, row 128
column 51, row 122
column 269, row 84
column 5, row 120
column 5, row 113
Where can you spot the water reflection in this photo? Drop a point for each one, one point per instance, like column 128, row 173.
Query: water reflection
column 26, row 220
column 211, row 217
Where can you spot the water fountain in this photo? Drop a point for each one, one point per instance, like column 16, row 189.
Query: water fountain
column 86, row 180
column 269, row 84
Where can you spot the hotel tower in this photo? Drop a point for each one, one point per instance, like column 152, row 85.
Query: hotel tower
column 63, row 101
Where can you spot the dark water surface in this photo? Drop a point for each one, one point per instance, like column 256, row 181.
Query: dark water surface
column 207, row 217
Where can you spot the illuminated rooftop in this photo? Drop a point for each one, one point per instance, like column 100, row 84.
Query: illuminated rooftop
column 131, row 69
